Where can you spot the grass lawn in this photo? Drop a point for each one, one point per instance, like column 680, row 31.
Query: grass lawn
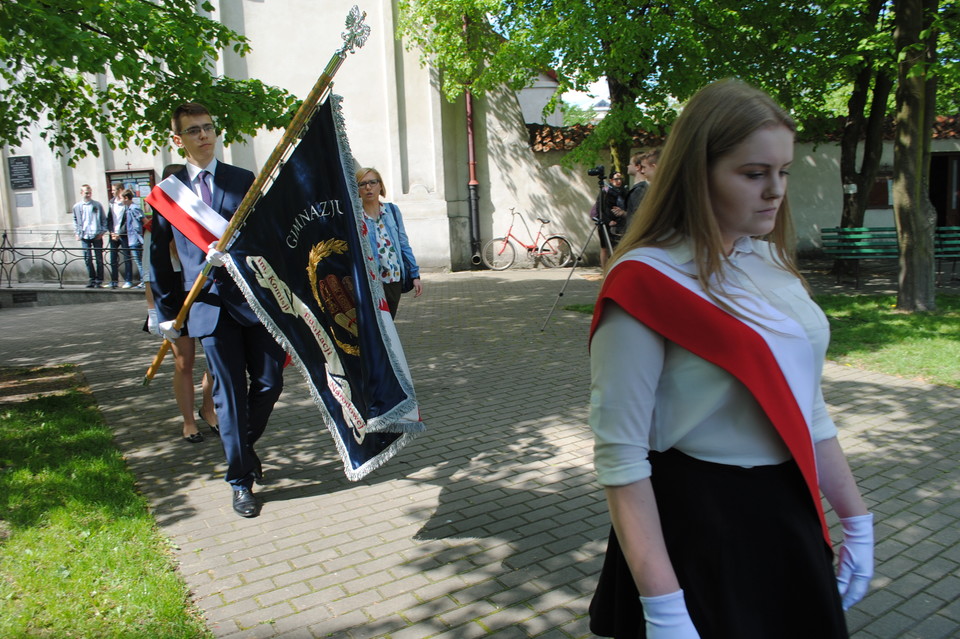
column 869, row 333
column 80, row 554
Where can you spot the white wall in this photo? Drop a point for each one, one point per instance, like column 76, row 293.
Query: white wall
column 535, row 97
column 513, row 175
column 816, row 195
column 393, row 113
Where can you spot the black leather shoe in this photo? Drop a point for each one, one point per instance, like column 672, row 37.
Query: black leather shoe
column 215, row 429
column 245, row 503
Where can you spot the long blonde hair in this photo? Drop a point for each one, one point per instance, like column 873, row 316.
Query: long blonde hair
column 677, row 205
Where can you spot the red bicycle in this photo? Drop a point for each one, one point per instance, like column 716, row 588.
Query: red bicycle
column 500, row 253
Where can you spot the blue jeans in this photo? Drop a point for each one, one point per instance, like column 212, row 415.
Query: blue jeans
column 135, row 252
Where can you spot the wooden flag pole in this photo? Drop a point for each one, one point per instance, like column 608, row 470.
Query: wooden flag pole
column 353, row 38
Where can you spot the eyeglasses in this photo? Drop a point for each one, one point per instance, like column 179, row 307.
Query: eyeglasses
column 368, row 183
column 194, row 131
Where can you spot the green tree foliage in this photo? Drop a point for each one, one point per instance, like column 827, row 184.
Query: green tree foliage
column 653, row 54
column 945, row 25
column 576, row 114
column 81, row 69
column 820, row 60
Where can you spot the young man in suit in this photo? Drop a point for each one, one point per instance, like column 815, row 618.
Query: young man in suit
column 236, row 344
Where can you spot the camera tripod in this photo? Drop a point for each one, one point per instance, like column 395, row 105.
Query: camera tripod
column 604, row 232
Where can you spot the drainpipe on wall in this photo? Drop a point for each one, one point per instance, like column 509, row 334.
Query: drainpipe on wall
column 473, row 185
column 473, row 197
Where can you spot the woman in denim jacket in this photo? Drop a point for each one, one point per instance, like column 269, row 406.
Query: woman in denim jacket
column 383, row 226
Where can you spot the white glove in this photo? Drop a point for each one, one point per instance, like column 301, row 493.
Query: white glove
column 215, row 257
column 168, row 331
column 153, row 324
column 667, row 617
column 856, row 559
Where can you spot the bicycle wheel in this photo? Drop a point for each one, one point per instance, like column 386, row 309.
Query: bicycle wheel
column 498, row 254
column 556, row 251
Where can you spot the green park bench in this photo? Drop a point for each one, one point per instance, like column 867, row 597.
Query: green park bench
column 881, row 243
column 947, row 248
column 860, row 243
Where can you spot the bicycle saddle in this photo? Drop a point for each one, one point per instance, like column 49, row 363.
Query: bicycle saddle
column 543, row 221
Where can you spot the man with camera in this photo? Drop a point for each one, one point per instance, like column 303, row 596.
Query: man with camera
column 609, row 211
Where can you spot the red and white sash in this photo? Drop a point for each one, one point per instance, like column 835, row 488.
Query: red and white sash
column 187, row 212
column 765, row 350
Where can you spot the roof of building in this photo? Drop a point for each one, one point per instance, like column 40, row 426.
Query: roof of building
column 544, row 138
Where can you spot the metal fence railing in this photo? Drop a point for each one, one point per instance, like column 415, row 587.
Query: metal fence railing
column 44, row 257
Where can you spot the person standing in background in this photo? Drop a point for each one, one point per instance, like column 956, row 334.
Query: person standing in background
column 607, row 209
column 383, row 226
column 184, row 348
column 132, row 216
column 643, row 167
column 639, row 188
column 116, row 232
column 89, row 225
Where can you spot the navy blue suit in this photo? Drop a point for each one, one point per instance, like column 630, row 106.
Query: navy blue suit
column 234, row 341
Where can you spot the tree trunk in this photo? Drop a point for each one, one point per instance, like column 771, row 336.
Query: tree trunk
column 620, row 145
column 868, row 128
column 857, row 127
column 916, row 93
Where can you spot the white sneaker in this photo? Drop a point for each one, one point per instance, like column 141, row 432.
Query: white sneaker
column 127, row 285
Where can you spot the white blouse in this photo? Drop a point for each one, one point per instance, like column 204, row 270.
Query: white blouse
column 648, row 393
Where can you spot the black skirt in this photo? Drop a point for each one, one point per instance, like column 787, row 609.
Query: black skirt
column 747, row 548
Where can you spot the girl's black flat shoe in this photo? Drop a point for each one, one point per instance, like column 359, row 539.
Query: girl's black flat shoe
column 215, row 429
column 196, row 438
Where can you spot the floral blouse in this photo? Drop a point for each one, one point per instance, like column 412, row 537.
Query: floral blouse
column 388, row 255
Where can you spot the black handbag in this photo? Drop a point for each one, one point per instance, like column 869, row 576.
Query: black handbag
column 406, row 285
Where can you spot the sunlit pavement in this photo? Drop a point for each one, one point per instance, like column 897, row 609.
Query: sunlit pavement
column 491, row 523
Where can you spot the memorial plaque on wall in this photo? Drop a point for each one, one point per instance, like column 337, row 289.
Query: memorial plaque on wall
column 20, row 168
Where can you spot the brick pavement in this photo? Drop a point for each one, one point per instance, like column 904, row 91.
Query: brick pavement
column 490, row 524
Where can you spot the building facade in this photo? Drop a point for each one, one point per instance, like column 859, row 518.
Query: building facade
column 398, row 122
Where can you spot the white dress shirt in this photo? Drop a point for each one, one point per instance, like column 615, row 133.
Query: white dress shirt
column 649, row 393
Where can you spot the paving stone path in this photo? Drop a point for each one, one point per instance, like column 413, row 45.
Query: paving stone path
column 490, row 524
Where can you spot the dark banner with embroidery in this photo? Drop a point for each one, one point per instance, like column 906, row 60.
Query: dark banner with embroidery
column 301, row 261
